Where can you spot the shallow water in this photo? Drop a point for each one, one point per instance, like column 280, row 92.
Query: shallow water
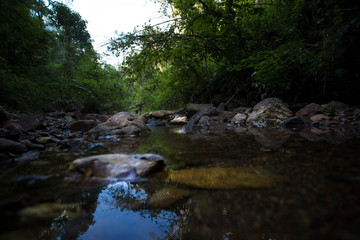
column 315, row 195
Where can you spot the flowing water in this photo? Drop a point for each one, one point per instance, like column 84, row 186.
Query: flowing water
column 263, row 184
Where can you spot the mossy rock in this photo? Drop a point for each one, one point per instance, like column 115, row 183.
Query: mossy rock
column 226, row 178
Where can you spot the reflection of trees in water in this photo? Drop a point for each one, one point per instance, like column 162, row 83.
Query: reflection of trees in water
column 127, row 196
column 66, row 226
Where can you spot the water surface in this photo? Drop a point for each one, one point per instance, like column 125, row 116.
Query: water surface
column 317, row 197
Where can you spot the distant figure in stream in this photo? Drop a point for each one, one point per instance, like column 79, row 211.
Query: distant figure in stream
column 138, row 107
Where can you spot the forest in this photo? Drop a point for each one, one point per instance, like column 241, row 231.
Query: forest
column 209, row 51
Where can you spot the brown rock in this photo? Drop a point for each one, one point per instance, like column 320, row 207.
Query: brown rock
column 319, row 118
column 162, row 114
column 309, row 109
column 82, row 125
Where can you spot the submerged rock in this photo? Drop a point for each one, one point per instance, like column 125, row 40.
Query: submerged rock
column 122, row 123
column 49, row 210
column 107, row 167
column 269, row 111
column 225, row 178
column 167, row 196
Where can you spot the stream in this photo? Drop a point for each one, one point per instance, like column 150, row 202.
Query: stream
column 295, row 187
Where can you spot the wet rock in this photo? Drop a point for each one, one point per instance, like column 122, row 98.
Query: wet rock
column 31, row 145
column 178, row 120
column 157, row 122
column 167, row 196
column 319, row 118
column 336, row 108
column 10, row 146
column 4, row 116
column 43, row 140
column 193, row 109
column 225, row 178
column 30, row 123
column 193, row 121
column 239, row 119
column 118, row 167
column 293, row 124
column 76, row 114
column 309, row 109
column 4, row 133
column 49, row 211
column 31, row 155
column 83, row 125
column 243, row 110
column 122, row 123
column 14, row 127
column 270, row 111
column 98, row 117
column 75, row 144
column 162, row 114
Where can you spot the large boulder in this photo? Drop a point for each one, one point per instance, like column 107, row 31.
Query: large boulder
column 113, row 167
column 122, row 123
column 161, row 114
column 194, row 120
column 270, row 111
column 309, row 109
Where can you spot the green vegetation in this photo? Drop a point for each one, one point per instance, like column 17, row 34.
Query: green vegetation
column 239, row 52
column 47, row 56
column 236, row 52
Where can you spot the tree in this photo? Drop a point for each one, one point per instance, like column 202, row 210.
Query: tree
column 211, row 51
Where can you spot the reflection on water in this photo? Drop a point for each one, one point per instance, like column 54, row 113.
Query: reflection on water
column 307, row 187
column 119, row 215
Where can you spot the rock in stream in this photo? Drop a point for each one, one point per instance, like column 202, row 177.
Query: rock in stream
column 113, row 167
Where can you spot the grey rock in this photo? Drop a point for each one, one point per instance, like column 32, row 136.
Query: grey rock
column 162, row 114
column 269, row 111
column 122, row 123
column 179, row 120
column 309, row 109
column 193, row 121
column 239, row 119
column 113, row 167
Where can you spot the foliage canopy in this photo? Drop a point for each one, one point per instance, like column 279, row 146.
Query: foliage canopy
column 241, row 51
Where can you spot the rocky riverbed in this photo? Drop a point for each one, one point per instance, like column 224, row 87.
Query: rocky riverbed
column 270, row 171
